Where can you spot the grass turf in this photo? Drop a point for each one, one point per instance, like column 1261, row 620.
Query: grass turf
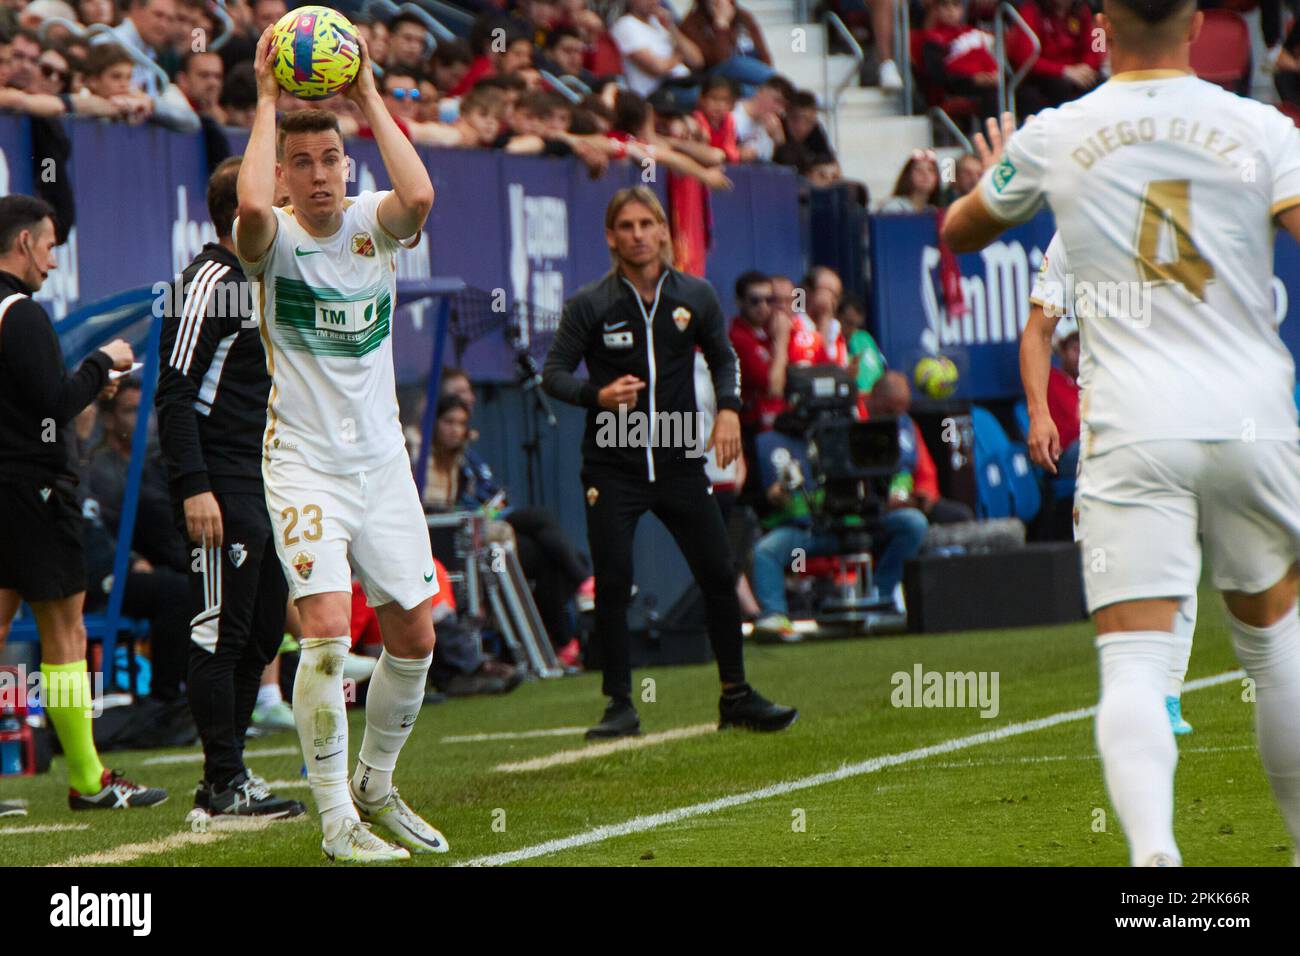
column 1031, row 799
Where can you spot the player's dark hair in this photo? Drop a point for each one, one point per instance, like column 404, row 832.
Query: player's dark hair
column 747, row 279
column 105, row 56
column 222, row 198
column 19, row 212
column 306, row 121
column 1152, row 11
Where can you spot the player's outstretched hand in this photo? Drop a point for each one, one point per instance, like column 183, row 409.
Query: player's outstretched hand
column 988, row 145
column 203, row 519
column 364, row 85
column 1044, row 443
column 267, row 86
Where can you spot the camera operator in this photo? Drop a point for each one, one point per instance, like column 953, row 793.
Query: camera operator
column 786, row 476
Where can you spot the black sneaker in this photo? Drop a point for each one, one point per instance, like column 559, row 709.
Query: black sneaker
column 203, row 796
column 116, row 793
column 13, row 808
column 620, row 720
column 247, row 796
column 753, row 711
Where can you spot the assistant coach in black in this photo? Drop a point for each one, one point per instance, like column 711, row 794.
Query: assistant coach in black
column 212, row 394
column 637, row 329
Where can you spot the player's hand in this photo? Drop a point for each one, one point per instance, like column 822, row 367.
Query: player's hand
column 364, row 85
column 1044, row 443
column 120, row 352
column 989, row 150
column 620, row 392
column 267, row 86
column 725, row 440
column 203, row 519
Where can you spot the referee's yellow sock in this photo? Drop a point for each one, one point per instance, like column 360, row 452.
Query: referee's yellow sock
column 68, row 702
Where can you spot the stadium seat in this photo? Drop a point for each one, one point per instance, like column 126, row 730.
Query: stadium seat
column 1006, row 484
column 1221, row 53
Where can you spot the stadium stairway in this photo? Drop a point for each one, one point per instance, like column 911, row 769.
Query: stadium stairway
column 874, row 138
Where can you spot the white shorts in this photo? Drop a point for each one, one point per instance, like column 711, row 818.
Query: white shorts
column 1140, row 509
column 372, row 519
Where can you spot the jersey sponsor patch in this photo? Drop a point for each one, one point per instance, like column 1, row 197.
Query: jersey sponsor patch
column 1003, row 174
column 618, row 340
column 323, row 322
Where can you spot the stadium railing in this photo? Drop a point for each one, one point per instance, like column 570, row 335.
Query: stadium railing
column 1007, row 89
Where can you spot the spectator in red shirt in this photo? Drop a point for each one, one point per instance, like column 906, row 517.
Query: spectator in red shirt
column 496, row 55
column 751, row 337
column 716, row 103
column 1070, row 62
column 957, row 58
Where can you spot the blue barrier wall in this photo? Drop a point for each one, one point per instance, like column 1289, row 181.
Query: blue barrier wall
column 910, row 320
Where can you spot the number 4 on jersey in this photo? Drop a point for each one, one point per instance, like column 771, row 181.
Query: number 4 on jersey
column 1165, row 201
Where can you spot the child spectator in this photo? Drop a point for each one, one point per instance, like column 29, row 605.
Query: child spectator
column 714, row 116
column 758, row 120
column 1070, row 62
column 957, row 58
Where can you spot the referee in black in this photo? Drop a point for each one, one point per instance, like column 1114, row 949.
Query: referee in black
column 211, row 400
column 637, row 329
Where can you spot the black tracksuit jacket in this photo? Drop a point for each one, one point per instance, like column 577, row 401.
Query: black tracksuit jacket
column 608, row 325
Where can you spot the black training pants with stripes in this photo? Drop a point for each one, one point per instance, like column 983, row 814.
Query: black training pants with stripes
column 238, row 595
column 683, row 502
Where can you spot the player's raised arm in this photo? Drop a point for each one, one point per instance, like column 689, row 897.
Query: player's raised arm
column 971, row 223
column 256, row 185
column 404, row 210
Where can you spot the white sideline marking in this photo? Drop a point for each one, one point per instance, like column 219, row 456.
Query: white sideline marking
column 133, row 851
column 601, row 750
column 1051, row 758
column 845, row 772
column 514, row 735
column 197, row 756
column 43, row 828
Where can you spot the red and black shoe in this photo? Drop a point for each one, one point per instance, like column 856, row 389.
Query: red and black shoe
column 117, row 793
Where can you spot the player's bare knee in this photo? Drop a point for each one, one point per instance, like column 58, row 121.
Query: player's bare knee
column 1154, row 614
column 1265, row 608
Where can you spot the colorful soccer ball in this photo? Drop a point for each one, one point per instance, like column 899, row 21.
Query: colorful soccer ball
column 936, row 376
column 317, row 53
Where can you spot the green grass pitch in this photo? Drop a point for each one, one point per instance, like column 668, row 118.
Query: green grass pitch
column 1035, row 798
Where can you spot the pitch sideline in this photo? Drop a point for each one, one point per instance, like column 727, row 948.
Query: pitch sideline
column 653, row 821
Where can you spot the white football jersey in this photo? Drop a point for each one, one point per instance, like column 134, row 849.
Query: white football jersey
column 326, row 310
column 1164, row 189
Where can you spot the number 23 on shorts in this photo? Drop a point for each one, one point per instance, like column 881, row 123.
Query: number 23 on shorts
column 311, row 516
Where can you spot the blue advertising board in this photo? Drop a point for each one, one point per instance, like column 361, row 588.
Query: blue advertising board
column 911, row 320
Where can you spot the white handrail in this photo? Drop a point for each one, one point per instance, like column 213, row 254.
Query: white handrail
column 833, row 103
column 1007, row 91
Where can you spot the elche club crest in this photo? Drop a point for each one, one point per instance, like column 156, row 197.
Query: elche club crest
column 363, row 245
column 681, row 317
column 303, row 562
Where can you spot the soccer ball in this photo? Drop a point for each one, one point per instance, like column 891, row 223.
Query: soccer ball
column 936, row 376
column 317, row 53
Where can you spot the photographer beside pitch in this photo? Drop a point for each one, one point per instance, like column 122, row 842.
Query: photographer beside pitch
column 637, row 330
column 41, row 558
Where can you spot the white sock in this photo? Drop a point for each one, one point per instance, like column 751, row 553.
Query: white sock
column 322, row 719
column 1271, row 656
column 393, row 702
column 1138, row 753
column 268, row 695
column 1184, row 628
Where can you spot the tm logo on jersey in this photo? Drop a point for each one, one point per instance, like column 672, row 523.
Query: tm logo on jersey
column 350, row 317
column 1003, row 174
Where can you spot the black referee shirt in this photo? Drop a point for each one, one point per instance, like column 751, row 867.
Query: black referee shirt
column 212, row 381
column 609, row 326
column 38, row 397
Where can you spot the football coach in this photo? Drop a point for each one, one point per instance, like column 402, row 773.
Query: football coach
column 637, row 329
